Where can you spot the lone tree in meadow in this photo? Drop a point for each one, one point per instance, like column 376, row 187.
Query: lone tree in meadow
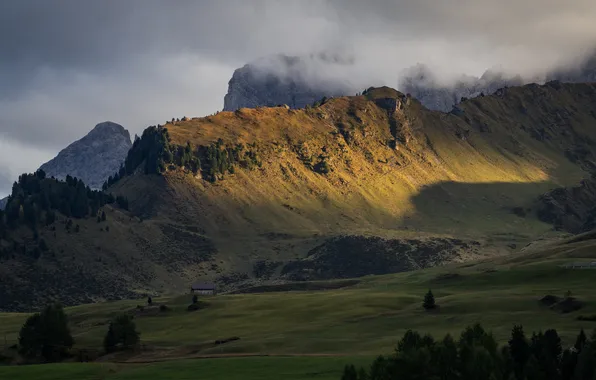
column 46, row 335
column 429, row 301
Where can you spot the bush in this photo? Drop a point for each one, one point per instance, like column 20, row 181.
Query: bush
column 122, row 334
column 196, row 306
column 164, row 308
column 322, row 167
column 46, row 335
column 587, row 318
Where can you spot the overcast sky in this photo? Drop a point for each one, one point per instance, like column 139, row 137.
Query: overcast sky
column 66, row 65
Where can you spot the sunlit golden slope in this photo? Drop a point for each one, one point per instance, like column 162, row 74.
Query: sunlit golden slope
column 510, row 147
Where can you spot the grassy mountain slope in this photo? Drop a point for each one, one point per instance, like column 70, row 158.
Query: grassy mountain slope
column 377, row 166
column 397, row 170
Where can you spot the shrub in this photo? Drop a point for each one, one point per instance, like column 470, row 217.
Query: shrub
column 322, row 167
column 196, row 306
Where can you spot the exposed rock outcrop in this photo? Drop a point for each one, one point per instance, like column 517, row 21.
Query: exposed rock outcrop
column 93, row 158
column 356, row 256
column 570, row 208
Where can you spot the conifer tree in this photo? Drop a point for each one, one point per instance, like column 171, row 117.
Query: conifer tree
column 429, row 301
column 519, row 349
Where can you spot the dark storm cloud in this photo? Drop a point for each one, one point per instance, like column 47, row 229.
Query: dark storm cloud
column 66, row 65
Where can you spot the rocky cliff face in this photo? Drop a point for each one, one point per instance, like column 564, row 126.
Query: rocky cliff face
column 295, row 81
column 94, row 157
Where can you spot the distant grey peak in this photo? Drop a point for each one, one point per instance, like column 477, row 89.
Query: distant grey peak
column 94, row 157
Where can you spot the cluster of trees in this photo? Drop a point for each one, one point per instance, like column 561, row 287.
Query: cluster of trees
column 46, row 336
column 477, row 356
column 219, row 159
column 35, row 198
column 154, row 151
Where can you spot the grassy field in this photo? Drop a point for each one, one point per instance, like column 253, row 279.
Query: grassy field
column 358, row 321
column 260, row 368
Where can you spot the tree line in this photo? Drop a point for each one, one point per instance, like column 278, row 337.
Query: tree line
column 476, row 355
column 153, row 152
column 35, row 200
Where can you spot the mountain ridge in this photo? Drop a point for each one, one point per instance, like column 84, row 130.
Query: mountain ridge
column 220, row 198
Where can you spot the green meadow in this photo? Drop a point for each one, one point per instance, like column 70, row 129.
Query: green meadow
column 314, row 334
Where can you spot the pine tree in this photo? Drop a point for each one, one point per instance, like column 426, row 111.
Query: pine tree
column 349, row 373
column 429, row 301
column 580, row 341
column 519, row 350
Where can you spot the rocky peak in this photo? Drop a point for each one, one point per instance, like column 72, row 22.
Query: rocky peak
column 106, row 129
column 281, row 79
column 94, row 157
